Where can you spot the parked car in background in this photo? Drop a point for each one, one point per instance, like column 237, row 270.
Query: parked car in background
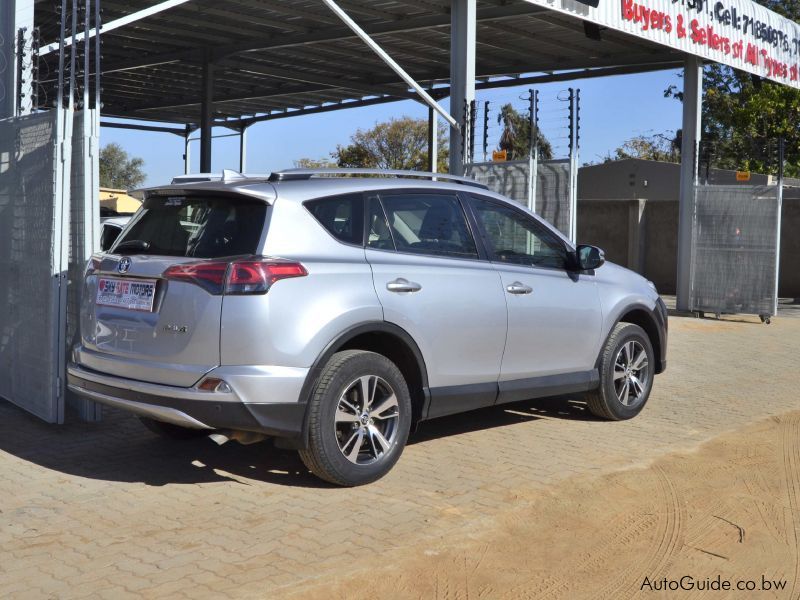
column 110, row 228
column 333, row 313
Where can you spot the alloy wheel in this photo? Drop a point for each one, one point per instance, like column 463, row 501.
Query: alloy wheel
column 631, row 373
column 366, row 420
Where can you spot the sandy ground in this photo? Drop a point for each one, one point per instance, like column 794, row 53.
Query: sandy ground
column 535, row 499
column 729, row 512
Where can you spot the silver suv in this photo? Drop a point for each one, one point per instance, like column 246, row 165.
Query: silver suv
column 334, row 313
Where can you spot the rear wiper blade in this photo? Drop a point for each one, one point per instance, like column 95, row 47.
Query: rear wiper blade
column 133, row 245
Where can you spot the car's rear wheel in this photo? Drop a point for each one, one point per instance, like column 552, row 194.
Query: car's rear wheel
column 626, row 374
column 173, row 432
column 359, row 419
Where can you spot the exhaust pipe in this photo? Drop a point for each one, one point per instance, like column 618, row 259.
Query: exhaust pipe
column 243, row 437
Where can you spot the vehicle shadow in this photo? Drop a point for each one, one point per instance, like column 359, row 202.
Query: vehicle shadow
column 120, row 449
column 569, row 407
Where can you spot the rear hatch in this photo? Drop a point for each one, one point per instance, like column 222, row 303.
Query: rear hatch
column 151, row 307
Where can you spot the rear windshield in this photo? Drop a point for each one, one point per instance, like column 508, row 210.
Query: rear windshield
column 196, row 226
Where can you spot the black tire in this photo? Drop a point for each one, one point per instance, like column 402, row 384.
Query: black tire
column 173, row 432
column 606, row 401
column 329, row 434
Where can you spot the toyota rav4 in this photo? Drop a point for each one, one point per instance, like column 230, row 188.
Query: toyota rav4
column 334, row 312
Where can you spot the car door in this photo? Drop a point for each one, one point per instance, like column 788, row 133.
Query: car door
column 554, row 313
column 432, row 282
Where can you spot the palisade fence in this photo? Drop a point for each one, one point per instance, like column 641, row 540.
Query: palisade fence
column 49, row 221
column 544, row 179
column 736, row 241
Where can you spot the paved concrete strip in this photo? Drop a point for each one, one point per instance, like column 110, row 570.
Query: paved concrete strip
column 110, row 510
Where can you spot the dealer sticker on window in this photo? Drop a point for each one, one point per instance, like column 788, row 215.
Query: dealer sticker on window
column 133, row 294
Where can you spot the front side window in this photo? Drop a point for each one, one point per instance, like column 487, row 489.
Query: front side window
column 195, row 226
column 432, row 224
column 342, row 216
column 514, row 237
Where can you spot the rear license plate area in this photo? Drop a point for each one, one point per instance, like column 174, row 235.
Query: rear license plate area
column 130, row 294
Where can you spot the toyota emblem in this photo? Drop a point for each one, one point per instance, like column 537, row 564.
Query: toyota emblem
column 124, row 265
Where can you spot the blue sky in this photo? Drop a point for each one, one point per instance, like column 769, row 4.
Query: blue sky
column 613, row 109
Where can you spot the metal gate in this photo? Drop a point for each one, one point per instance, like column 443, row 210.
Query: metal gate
column 735, row 249
column 32, row 262
column 552, row 194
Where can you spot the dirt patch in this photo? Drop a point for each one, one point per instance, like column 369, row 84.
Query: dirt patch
column 725, row 513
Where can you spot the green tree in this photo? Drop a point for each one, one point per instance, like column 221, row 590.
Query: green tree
column 743, row 115
column 118, row 170
column 314, row 163
column 516, row 136
column 658, row 146
column 400, row 143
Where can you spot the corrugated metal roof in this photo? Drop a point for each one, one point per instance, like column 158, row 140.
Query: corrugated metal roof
column 274, row 56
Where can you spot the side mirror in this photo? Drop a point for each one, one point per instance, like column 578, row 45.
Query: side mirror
column 589, row 257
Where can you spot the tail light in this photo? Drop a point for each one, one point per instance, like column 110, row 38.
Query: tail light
column 208, row 275
column 239, row 277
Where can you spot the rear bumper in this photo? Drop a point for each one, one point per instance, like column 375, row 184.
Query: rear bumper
column 188, row 407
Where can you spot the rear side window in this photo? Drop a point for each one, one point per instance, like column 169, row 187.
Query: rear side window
column 342, row 216
column 429, row 224
column 194, row 226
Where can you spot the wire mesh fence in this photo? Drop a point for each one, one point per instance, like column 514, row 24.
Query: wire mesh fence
column 553, row 188
column 29, row 264
column 509, row 178
column 735, row 249
column 736, row 228
column 525, row 146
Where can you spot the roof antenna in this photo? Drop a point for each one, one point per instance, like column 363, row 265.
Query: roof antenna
column 231, row 175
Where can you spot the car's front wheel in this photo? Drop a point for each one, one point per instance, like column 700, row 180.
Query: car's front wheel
column 626, row 374
column 359, row 419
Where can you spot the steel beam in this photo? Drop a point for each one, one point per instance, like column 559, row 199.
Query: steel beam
column 154, row 128
column 690, row 140
column 433, row 141
column 304, row 77
column 463, row 28
column 390, row 62
column 243, row 149
column 115, row 24
column 206, row 117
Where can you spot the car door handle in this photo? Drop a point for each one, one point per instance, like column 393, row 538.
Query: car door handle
column 403, row 285
column 518, row 288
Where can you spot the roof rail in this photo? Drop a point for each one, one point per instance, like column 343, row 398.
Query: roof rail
column 305, row 174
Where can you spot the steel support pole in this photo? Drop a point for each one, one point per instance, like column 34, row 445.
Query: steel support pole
column 242, row 149
column 781, row 165
column 206, row 113
column 433, row 141
column 691, row 130
column 187, row 160
column 463, row 24
column 15, row 78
